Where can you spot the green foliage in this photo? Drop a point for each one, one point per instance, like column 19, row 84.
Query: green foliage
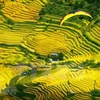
column 13, row 81
column 10, row 22
column 60, row 56
column 42, row 12
column 1, row 13
column 95, row 93
column 20, row 93
column 1, row 98
column 57, row 56
column 63, row 7
column 90, row 63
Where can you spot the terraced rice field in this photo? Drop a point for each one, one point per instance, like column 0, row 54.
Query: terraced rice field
column 27, row 41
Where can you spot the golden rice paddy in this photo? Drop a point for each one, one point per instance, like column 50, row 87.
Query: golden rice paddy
column 27, row 41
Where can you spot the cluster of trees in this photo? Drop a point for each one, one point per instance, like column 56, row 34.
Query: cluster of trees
column 58, row 56
column 90, row 63
column 62, row 7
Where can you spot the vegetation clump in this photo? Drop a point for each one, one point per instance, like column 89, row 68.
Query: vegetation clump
column 63, row 7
